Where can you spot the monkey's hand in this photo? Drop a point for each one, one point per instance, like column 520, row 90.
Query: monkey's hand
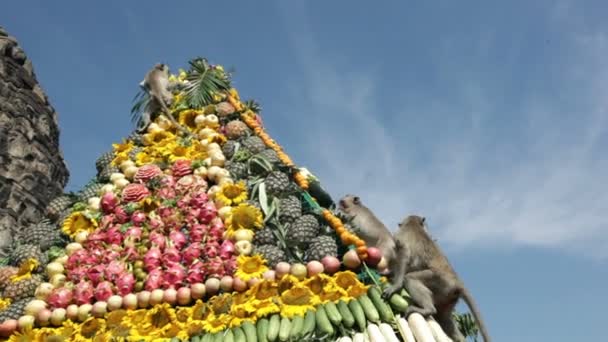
column 390, row 290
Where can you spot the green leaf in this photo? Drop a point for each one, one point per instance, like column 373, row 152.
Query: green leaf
column 272, row 210
column 263, row 198
column 204, row 82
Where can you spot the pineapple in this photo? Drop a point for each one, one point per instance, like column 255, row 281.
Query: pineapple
column 58, row 204
column 230, row 148
column 104, row 175
column 264, row 236
column 26, row 251
column 6, row 272
column 237, row 170
column 134, row 151
column 254, row 144
column 104, row 160
column 136, row 138
column 23, row 288
column 270, row 155
column 290, row 209
column 320, row 247
column 302, row 230
column 277, row 183
column 90, row 190
column 43, row 234
column 15, row 310
column 272, row 254
column 236, row 129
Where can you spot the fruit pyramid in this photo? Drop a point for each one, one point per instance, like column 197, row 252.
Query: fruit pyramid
column 215, row 235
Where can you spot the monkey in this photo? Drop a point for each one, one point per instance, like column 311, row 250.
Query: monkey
column 156, row 83
column 426, row 274
column 369, row 227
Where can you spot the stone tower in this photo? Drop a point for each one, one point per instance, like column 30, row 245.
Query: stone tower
column 32, row 168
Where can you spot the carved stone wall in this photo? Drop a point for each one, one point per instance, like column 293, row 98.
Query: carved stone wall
column 32, row 169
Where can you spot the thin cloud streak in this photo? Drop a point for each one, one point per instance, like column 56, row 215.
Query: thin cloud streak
column 552, row 193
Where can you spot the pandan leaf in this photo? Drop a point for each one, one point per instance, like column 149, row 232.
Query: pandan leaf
column 79, row 206
column 273, row 209
column 4, row 261
column 263, row 198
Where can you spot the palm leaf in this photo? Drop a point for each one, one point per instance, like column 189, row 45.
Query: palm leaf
column 141, row 101
column 467, row 325
column 253, row 105
column 204, row 82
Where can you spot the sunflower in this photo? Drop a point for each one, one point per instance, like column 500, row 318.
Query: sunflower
column 245, row 216
column 232, row 193
column 119, row 158
column 249, row 267
column 126, row 146
column 183, row 313
column 23, row 336
column 4, row 303
column 143, row 158
column 175, row 329
column 297, row 300
column 264, row 290
column 287, row 281
column 76, row 223
column 54, row 334
column 186, row 118
column 216, row 323
column 349, row 282
column 160, row 315
column 195, row 327
column 92, row 326
column 25, row 270
column 200, row 310
column 157, row 136
column 220, row 304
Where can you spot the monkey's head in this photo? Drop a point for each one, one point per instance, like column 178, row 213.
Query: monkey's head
column 162, row 67
column 413, row 221
column 349, row 204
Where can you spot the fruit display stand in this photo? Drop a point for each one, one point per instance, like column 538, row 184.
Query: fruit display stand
column 214, row 235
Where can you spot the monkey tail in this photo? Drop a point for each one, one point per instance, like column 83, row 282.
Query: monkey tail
column 466, row 295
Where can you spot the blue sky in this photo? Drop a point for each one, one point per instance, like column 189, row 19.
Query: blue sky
column 489, row 118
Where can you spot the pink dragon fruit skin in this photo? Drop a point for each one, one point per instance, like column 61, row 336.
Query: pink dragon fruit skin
column 208, row 213
column 152, row 259
column 171, row 256
column 191, row 253
column 168, row 181
column 121, row 215
column 157, row 239
column 60, row 297
column 196, row 273
column 114, row 236
column 112, row 253
column 95, row 273
column 84, row 293
column 226, row 249
column 113, row 270
column 230, row 265
column 103, row 291
column 174, row 276
column 211, row 249
column 156, row 224
column 130, row 254
column 77, row 273
column 109, row 201
column 166, row 193
column 178, row 239
column 138, row 218
column 199, row 200
column 134, row 232
column 215, row 267
column 154, row 280
column 125, row 283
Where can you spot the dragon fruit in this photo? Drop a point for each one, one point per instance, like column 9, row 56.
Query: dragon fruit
column 83, row 292
column 113, row 235
column 125, row 283
column 134, row 192
column 174, row 276
column 109, row 201
column 178, row 239
column 226, row 249
column 103, row 291
column 157, row 239
column 147, row 172
column 138, row 218
column 114, row 270
column 95, row 273
column 154, row 280
column 208, row 212
column 181, row 168
column 121, row 216
column 196, row 273
column 60, row 297
column 152, row 259
column 191, row 253
column 171, row 256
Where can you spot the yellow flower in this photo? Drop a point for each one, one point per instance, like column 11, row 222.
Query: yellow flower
column 92, row 326
column 157, row 136
column 245, row 216
column 182, row 75
column 234, row 93
column 232, row 193
column 216, row 323
column 143, row 158
column 4, row 303
column 200, row 310
column 23, row 336
column 175, row 329
column 61, row 334
column 183, row 313
column 25, row 270
column 76, row 223
column 105, row 336
column 217, row 138
column 264, row 290
column 160, row 315
column 186, row 118
column 348, row 281
column 195, row 327
column 297, row 300
column 119, row 158
column 249, row 267
column 264, row 307
column 126, row 146
column 220, row 304
column 288, row 281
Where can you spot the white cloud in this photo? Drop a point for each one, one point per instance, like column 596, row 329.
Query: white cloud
column 544, row 186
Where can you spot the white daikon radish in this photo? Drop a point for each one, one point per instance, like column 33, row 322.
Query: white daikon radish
column 438, row 333
column 375, row 335
column 388, row 333
column 420, row 328
column 359, row 337
column 405, row 328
